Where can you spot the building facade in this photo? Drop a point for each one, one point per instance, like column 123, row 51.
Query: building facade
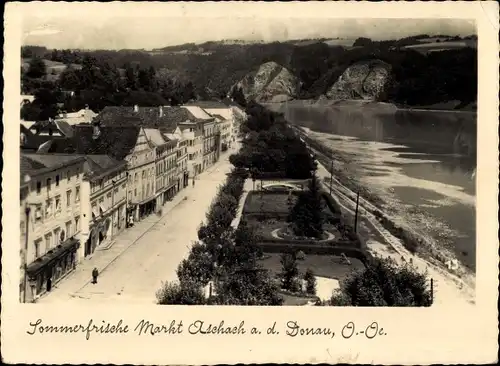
column 193, row 134
column 165, row 166
column 182, row 155
column 104, row 190
column 51, row 196
column 141, row 178
column 225, row 130
column 210, row 143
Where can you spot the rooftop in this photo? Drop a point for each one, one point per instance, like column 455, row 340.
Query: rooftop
column 32, row 164
column 208, row 104
column 116, row 142
column 148, row 117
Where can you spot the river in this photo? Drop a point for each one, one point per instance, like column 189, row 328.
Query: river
column 420, row 164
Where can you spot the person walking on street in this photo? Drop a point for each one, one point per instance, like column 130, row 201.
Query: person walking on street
column 193, row 181
column 95, row 273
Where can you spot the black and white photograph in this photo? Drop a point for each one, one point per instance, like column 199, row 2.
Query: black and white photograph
column 247, row 161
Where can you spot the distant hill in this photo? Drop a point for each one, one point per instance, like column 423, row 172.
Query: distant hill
column 424, row 69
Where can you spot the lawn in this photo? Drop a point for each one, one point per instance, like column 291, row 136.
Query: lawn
column 268, row 202
column 328, row 266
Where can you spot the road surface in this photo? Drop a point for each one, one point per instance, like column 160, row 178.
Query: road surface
column 152, row 256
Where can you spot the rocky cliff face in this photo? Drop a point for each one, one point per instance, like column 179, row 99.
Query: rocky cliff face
column 365, row 80
column 270, row 83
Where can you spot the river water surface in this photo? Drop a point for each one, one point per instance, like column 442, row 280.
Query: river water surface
column 421, row 164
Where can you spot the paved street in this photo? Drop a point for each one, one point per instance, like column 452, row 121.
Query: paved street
column 133, row 268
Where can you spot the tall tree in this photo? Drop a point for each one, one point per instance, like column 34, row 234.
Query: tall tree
column 289, row 271
column 36, row 68
column 307, row 215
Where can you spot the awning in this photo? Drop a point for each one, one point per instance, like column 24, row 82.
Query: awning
column 102, row 207
column 95, row 212
column 51, row 256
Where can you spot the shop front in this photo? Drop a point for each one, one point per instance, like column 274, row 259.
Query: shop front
column 49, row 269
column 147, row 208
column 185, row 180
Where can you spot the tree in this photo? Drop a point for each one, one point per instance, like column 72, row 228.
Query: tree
column 247, row 287
column 310, row 282
column 307, row 215
column 198, row 266
column 37, row 68
column 384, row 283
column 246, row 240
column 289, row 271
column 184, row 293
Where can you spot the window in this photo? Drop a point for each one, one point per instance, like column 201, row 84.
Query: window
column 38, row 244
column 77, row 223
column 68, row 175
column 57, row 234
column 58, row 204
column 38, row 213
column 77, row 194
column 124, row 186
column 68, row 198
column 108, row 196
column 48, row 208
column 77, row 173
column 48, row 241
column 116, row 192
column 57, row 180
column 135, row 192
column 68, row 229
column 136, row 177
column 38, row 187
column 48, row 183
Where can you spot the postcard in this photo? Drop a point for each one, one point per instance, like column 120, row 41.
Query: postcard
column 250, row 182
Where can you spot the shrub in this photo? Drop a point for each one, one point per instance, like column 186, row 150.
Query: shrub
column 184, row 293
column 289, row 271
column 307, row 215
column 310, row 282
column 197, row 267
column 251, row 286
column 384, row 283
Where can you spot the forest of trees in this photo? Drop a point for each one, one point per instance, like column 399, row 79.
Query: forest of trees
column 104, row 77
column 97, row 84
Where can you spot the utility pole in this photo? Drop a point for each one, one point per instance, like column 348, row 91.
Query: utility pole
column 331, row 176
column 356, row 214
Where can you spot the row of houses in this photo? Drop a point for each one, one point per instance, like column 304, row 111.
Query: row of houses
column 82, row 184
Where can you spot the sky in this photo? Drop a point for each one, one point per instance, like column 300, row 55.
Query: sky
column 107, row 31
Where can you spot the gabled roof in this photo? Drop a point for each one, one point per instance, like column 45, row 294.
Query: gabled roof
column 117, row 142
column 198, row 112
column 32, row 164
column 98, row 165
column 148, row 117
column 208, row 104
column 32, row 142
column 154, row 136
column 218, row 116
column 47, row 126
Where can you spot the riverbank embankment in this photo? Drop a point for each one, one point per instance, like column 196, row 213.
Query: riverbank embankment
column 389, row 238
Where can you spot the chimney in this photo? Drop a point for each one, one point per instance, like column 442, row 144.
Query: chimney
column 136, row 108
column 161, row 111
column 86, row 106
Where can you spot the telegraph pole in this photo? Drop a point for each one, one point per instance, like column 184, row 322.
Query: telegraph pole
column 356, row 214
column 331, row 176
